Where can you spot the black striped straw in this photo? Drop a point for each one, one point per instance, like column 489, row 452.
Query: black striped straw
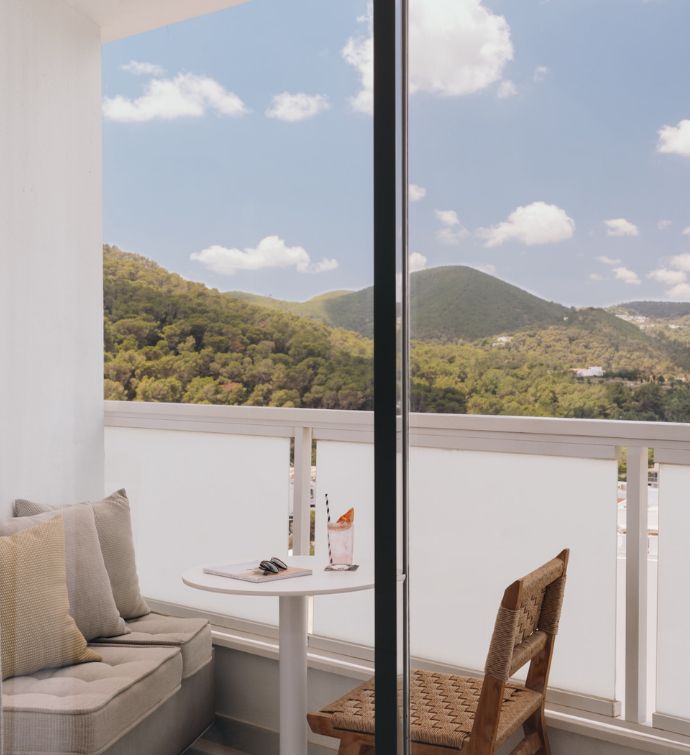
column 328, row 530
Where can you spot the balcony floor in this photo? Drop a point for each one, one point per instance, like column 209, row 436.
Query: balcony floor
column 206, row 747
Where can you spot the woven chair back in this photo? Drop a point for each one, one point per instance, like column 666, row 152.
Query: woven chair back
column 529, row 613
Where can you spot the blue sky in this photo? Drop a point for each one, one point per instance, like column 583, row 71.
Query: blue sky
column 550, row 140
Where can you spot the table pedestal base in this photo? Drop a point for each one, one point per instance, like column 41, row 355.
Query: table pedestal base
column 293, row 675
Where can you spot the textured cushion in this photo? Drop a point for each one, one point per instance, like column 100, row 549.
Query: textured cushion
column 191, row 636
column 84, row 709
column 36, row 628
column 114, row 526
column 91, row 599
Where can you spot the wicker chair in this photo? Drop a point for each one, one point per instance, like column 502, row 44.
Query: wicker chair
column 473, row 715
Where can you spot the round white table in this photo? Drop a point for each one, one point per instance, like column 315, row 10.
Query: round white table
column 293, row 594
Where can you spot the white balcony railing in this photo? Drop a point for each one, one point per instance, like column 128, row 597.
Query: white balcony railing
column 490, row 498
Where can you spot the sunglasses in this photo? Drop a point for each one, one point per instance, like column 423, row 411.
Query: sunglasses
column 272, row 566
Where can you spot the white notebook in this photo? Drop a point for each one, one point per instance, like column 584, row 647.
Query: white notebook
column 248, row 571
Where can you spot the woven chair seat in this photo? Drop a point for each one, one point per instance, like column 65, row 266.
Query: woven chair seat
column 442, row 709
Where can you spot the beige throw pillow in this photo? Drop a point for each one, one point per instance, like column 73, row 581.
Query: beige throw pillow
column 114, row 526
column 91, row 600
column 35, row 625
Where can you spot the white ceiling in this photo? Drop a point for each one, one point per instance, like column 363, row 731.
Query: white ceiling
column 123, row 18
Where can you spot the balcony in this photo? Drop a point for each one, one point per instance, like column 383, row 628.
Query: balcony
column 489, row 495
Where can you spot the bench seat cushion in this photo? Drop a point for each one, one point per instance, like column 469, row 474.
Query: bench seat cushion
column 84, row 709
column 191, row 636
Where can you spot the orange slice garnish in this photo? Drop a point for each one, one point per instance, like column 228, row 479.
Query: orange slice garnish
column 348, row 516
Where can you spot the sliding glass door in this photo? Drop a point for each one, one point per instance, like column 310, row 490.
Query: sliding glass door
column 390, row 374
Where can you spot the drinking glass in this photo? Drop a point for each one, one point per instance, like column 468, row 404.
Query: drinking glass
column 340, row 542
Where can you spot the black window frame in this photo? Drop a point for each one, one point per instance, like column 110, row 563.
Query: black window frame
column 391, row 374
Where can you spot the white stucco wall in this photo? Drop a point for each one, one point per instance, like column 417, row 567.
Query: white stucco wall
column 51, row 396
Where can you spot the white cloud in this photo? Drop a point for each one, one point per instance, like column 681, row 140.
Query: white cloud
column 610, row 261
column 417, row 262
column 681, row 262
column 686, row 231
column 667, row 277
column 139, row 68
column 457, row 47
column 417, row 193
column 324, row 265
column 596, row 277
column 447, row 217
column 359, row 53
column 627, row 276
column 506, row 89
column 453, row 231
column 270, row 252
column 296, row 107
column 681, row 291
column 536, row 223
column 621, row 227
column 675, row 140
column 184, row 96
column 664, row 225
column 540, row 73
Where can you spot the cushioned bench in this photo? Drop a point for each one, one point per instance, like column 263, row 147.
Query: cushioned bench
column 151, row 695
column 86, row 708
column 145, row 690
column 191, row 636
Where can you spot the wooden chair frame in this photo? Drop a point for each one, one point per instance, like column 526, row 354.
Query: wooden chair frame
column 536, row 648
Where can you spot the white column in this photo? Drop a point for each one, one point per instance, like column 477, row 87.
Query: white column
column 301, row 520
column 636, row 587
column 51, row 273
column 293, row 675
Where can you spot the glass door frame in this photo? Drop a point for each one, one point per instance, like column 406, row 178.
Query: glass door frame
column 391, row 375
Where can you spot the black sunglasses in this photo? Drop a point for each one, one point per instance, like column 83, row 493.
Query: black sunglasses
column 272, row 566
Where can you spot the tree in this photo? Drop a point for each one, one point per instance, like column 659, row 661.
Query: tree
column 159, row 389
column 114, row 391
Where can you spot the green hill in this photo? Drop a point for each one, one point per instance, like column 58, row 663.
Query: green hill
column 353, row 310
column 656, row 309
column 593, row 337
column 458, row 302
column 316, row 307
column 168, row 339
column 447, row 303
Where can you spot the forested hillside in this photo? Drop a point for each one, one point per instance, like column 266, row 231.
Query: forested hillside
column 167, row 339
column 657, row 309
column 447, row 303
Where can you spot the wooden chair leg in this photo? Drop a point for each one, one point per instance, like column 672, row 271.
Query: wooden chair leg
column 349, row 746
column 535, row 725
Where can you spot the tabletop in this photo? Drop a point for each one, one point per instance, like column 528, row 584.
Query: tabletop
column 320, row 582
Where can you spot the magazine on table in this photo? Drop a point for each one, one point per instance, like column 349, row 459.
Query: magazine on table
column 249, row 571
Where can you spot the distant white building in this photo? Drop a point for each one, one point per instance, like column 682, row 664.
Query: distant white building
column 589, row 372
